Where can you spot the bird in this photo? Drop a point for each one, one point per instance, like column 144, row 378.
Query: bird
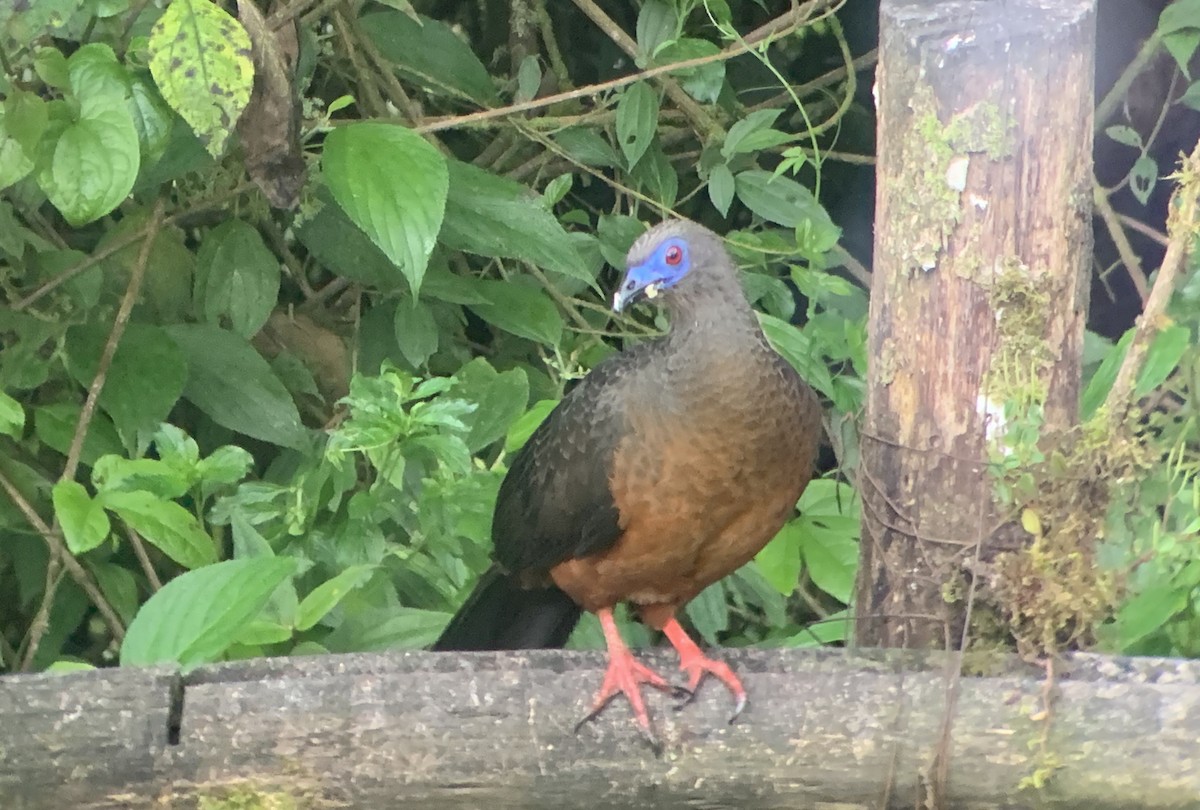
column 667, row 467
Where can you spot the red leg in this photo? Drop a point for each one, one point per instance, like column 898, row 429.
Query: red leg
column 625, row 675
column 696, row 664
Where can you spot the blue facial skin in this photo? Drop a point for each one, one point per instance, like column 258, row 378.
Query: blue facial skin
column 664, row 269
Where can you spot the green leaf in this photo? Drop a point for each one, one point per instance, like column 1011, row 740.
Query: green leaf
column 720, row 188
column 12, row 416
column 326, row 596
column 237, row 278
column 152, row 118
column 587, row 147
column 637, row 120
column 200, row 58
column 171, row 528
column 520, row 430
column 24, row 117
column 261, row 632
column 231, row 383
column 780, row 560
column 709, row 612
column 1124, row 135
column 1147, row 612
column 657, row 25
column 521, row 309
column 431, row 52
column 392, row 183
column 1143, row 177
column 785, row 202
column 95, row 159
column 402, row 628
column 1162, row 358
column 416, row 331
column 753, row 122
column 501, row 396
column 118, row 474
column 1179, row 28
column 703, row 82
column 225, row 465
column 492, row 216
column 118, row 586
column 529, row 79
column 54, row 425
column 343, row 249
column 1191, row 96
column 144, row 381
column 83, row 522
column 796, row 347
column 196, row 616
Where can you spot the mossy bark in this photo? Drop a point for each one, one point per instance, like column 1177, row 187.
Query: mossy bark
column 979, row 295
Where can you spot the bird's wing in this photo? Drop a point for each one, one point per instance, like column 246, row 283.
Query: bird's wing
column 555, row 503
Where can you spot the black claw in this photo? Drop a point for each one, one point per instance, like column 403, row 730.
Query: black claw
column 737, row 708
column 685, row 696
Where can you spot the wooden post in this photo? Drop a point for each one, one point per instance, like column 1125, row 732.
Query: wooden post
column 979, row 293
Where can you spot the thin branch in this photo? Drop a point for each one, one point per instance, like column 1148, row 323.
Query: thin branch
column 1144, row 230
column 1129, row 258
column 779, row 27
column 114, row 338
column 59, row 550
column 139, row 550
column 1182, row 225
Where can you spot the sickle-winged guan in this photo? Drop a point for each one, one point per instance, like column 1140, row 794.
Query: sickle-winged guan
column 669, row 466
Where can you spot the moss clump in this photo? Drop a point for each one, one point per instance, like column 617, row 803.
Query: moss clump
column 926, row 208
column 245, row 798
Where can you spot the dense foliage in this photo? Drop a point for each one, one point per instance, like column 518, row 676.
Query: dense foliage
column 281, row 301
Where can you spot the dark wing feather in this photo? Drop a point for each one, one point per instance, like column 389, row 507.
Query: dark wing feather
column 555, row 503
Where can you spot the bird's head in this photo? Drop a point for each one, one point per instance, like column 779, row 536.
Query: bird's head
column 675, row 259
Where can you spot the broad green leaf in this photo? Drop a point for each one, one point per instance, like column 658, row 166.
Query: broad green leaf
column 171, row 528
column 231, row 383
column 144, row 381
column 834, row 628
column 83, row 522
column 343, row 249
column 118, row 586
column 796, row 347
column 720, row 188
column 200, row 58
column 196, row 616
column 617, row 234
column 637, row 120
column 751, row 123
column 152, row 117
column 24, row 117
column 502, row 397
column 657, row 176
column 702, row 82
column 401, row 628
column 416, row 331
column 1179, row 27
column 832, row 560
column 785, row 202
column 1103, row 378
column 522, row 309
column 225, row 465
column 1147, row 612
column 54, row 425
column 586, row 146
column 780, row 560
column 326, row 596
column 261, row 632
column 237, row 278
column 12, row 416
column 1124, row 135
column 492, row 216
column 431, row 52
column 95, row 158
column 1143, row 177
column 393, row 185
column 1162, row 358
column 167, row 288
column 709, row 612
column 520, row 430
column 118, row 474
column 175, row 447
column 529, row 79
column 657, row 25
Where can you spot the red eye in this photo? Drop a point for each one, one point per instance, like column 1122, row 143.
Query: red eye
column 674, row 255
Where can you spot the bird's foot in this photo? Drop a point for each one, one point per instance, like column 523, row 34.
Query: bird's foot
column 695, row 664
column 626, row 675
column 698, row 665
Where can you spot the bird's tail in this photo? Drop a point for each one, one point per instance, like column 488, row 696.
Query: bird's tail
column 501, row 615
